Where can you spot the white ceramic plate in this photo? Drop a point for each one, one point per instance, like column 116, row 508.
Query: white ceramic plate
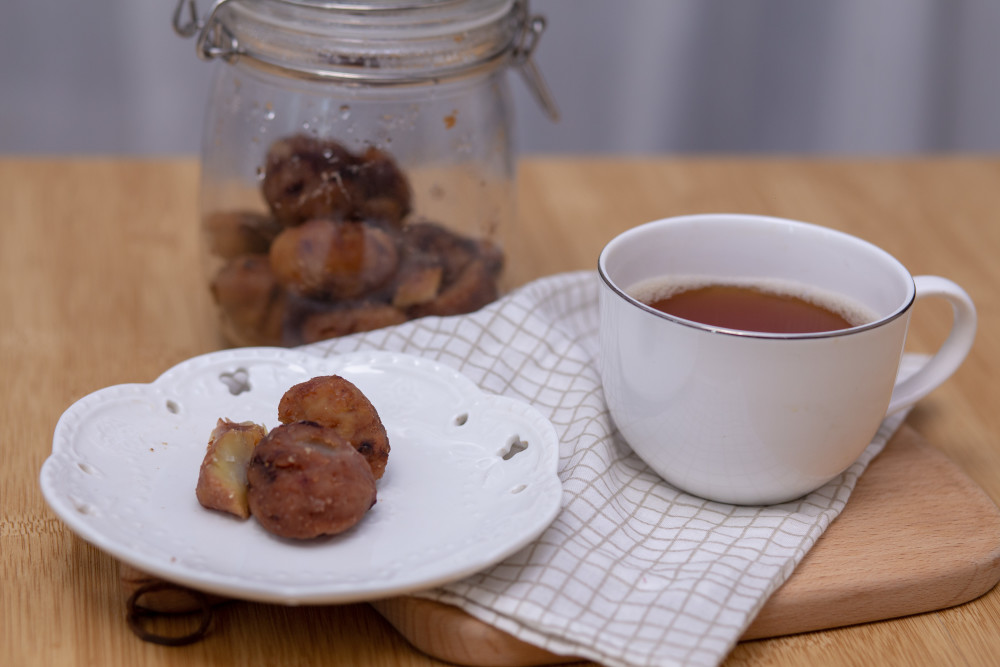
column 125, row 462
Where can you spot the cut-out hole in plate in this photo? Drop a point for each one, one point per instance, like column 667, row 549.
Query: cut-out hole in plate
column 172, row 407
column 237, row 381
column 514, row 447
column 86, row 468
column 461, row 419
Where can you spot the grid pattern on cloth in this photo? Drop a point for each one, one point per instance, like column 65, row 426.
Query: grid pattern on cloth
column 632, row 572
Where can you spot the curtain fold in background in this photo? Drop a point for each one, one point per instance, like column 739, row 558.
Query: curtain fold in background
column 630, row 76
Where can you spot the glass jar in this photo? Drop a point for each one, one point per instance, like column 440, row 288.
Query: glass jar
column 357, row 165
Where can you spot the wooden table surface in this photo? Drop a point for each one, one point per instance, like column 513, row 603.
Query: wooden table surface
column 101, row 284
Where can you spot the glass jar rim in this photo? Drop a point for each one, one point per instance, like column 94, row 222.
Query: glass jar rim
column 360, row 41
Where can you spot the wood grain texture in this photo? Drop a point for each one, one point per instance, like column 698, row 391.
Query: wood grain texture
column 100, row 284
column 917, row 535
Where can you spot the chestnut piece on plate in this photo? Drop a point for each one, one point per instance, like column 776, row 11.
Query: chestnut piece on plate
column 222, row 479
column 337, row 403
column 306, row 481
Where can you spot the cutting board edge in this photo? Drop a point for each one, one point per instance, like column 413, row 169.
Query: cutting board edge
column 447, row 638
column 779, row 622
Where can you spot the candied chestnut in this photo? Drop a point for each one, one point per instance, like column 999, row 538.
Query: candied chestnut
column 418, row 279
column 339, row 259
column 470, row 269
column 454, row 250
column 234, row 233
column 344, row 254
column 474, row 287
column 306, row 177
column 346, row 318
column 337, row 403
column 251, row 302
column 222, row 478
column 306, row 481
column 386, row 194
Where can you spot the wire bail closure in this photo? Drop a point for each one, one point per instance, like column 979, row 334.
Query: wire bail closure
column 216, row 40
column 534, row 26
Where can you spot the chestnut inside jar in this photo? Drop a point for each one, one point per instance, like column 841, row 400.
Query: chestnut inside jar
column 346, row 258
column 358, row 168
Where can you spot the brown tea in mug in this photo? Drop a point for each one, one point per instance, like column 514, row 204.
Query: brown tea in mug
column 768, row 307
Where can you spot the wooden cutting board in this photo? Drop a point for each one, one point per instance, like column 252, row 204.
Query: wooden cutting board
column 917, row 535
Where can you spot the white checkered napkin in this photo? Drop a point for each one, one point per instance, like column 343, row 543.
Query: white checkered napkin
column 632, row 571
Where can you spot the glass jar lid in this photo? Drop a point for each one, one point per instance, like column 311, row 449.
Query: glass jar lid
column 370, row 42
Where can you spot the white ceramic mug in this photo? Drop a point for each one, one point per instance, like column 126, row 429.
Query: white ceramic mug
column 758, row 418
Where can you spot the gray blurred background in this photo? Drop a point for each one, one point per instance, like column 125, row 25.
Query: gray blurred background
column 855, row 77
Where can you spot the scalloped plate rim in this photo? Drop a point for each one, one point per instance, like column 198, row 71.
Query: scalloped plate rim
column 549, row 502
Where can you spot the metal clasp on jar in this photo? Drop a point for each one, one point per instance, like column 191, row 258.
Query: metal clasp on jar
column 216, row 40
column 534, row 26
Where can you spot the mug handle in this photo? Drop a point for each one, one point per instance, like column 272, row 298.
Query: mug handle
column 952, row 352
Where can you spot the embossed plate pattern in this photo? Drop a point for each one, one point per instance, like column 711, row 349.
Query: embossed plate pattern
column 471, row 478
